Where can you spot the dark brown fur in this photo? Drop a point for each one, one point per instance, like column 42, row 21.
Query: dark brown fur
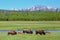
column 41, row 32
column 12, row 32
column 28, row 31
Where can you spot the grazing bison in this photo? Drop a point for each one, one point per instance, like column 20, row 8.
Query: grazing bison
column 40, row 32
column 12, row 32
column 27, row 31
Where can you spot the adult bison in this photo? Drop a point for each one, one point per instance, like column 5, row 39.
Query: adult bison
column 28, row 31
column 41, row 32
column 12, row 32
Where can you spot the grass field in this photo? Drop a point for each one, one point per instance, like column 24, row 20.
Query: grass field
column 52, row 36
column 19, row 25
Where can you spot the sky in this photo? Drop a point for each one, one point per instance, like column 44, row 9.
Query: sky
column 19, row 4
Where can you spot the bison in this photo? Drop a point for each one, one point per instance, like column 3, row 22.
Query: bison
column 20, row 33
column 27, row 31
column 41, row 32
column 12, row 32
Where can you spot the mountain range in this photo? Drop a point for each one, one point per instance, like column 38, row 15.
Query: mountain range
column 38, row 8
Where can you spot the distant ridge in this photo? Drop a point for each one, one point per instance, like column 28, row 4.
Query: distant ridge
column 37, row 8
column 42, row 8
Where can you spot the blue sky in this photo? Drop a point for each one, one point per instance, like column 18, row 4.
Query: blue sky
column 7, row 4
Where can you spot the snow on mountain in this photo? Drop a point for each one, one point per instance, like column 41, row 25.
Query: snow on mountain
column 38, row 8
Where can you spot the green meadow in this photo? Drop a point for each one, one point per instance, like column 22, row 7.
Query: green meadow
column 51, row 36
column 20, row 25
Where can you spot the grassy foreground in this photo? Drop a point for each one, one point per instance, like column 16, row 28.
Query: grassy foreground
column 19, row 25
column 52, row 36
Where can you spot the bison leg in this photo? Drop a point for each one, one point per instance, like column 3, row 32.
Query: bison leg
column 40, row 33
column 24, row 32
column 44, row 33
column 31, row 32
column 9, row 33
column 36, row 32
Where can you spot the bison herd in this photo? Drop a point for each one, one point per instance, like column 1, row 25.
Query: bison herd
column 27, row 31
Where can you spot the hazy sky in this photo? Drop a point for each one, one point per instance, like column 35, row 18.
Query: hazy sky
column 7, row 4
